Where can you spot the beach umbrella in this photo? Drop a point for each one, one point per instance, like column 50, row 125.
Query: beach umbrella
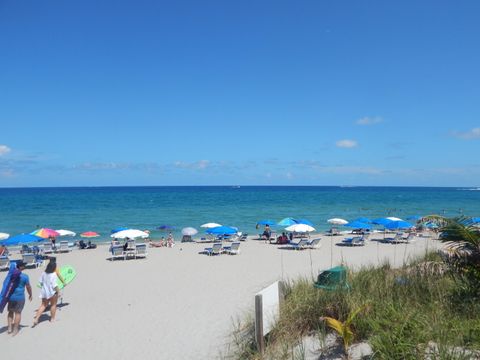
column 222, row 230
column 4, row 236
column 393, row 218
column 116, row 230
column 381, row 221
column 337, row 221
column 358, row 225
column 287, row 222
column 89, row 234
column 300, row 228
column 189, row 231
column 21, row 239
column 210, row 225
column 305, row 221
column 400, row 224
column 166, row 228
column 267, row 222
column 65, row 233
column 45, row 233
column 363, row 220
column 130, row 233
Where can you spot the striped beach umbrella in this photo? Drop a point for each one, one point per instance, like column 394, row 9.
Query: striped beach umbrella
column 45, row 233
column 89, row 234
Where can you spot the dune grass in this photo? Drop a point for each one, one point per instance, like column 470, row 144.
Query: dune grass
column 405, row 310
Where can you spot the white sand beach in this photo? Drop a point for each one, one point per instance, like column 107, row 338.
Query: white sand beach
column 176, row 304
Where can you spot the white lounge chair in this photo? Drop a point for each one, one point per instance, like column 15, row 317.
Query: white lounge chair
column 30, row 260
column 216, row 249
column 233, row 249
column 47, row 248
column 314, row 243
column 117, row 252
column 141, row 250
column 63, row 246
column 4, row 263
column 302, row 244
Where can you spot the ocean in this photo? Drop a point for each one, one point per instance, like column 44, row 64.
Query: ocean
column 102, row 209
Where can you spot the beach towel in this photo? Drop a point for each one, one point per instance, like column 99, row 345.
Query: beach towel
column 9, row 284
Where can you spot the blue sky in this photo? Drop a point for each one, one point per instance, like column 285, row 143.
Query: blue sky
column 239, row 92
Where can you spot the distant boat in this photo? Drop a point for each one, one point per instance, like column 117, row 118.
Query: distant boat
column 236, row 187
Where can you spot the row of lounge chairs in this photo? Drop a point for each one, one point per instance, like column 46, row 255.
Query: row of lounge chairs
column 400, row 238
column 305, row 244
column 30, row 260
column 132, row 250
column 218, row 248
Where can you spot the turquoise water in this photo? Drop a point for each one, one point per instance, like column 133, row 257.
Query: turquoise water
column 104, row 208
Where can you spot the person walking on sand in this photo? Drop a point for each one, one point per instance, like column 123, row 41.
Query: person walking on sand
column 16, row 301
column 48, row 293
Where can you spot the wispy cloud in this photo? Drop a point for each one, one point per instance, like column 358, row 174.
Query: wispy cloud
column 196, row 165
column 4, row 149
column 468, row 135
column 346, row 143
column 368, row 120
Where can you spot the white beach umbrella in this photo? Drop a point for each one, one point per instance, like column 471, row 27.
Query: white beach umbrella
column 4, row 236
column 130, row 233
column 189, row 231
column 65, row 233
column 210, row 225
column 300, row 228
column 337, row 221
column 394, row 218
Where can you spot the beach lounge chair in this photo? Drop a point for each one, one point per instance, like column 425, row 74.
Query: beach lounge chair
column 117, row 252
column 301, row 245
column 395, row 240
column 31, row 260
column 47, row 248
column 4, row 263
column 63, row 246
column 314, row 243
column 216, row 249
column 141, row 250
column 354, row 241
column 332, row 279
column 187, row 238
column 243, row 237
column 233, row 249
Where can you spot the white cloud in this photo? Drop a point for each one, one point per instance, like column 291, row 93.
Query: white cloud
column 365, row 121
column 468, row 135
column 197, row 165
column 4, row 149
column 346, row 143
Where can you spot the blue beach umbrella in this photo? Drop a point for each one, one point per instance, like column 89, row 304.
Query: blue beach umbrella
column 287, row 222
column 381, row 221
column 358, row 225
column 119, row 229
column 21, row 239
column 305, row 221
column 398, row 225
column 266, row 222
column 222, row 230
column 472, row 221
